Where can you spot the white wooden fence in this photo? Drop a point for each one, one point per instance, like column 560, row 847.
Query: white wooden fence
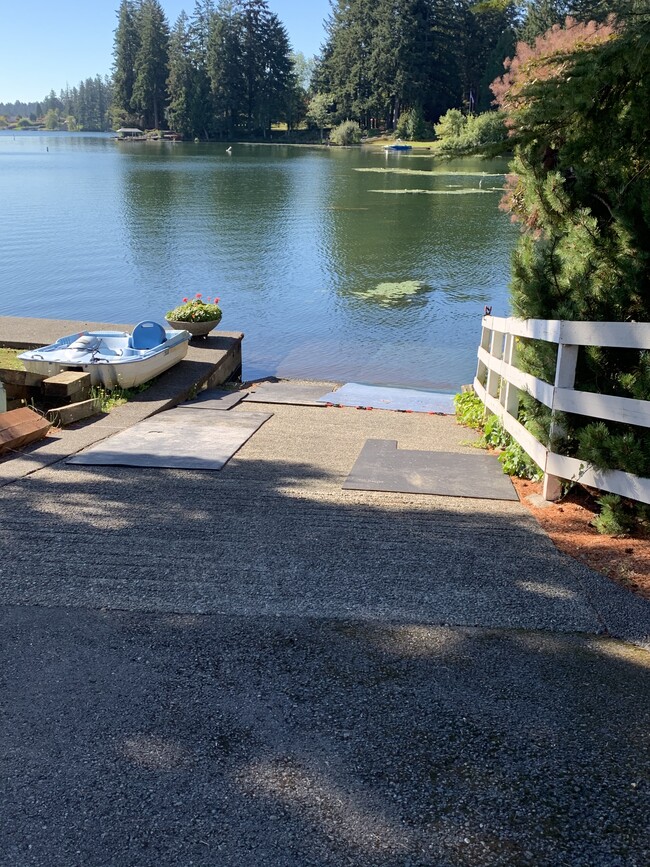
column 503, row 382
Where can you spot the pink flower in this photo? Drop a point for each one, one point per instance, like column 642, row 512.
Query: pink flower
column 198, row 295
column 185, row 300
column 216, row 300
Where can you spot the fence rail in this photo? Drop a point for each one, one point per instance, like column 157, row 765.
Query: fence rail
column 499, row 383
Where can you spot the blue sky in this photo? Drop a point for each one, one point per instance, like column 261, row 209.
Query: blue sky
column 46, row 43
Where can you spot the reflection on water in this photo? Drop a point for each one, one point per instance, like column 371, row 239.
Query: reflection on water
column 336, row 263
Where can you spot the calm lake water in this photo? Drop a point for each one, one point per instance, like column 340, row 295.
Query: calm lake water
column 304, row 246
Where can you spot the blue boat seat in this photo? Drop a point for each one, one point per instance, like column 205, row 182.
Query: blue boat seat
column 147, row 335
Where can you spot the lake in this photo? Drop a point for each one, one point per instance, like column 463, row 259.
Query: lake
column 342, row 264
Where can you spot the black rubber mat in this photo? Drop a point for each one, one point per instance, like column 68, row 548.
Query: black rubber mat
column 286, row 391
column 190, row 439
column 381, row 466
column 216, row 398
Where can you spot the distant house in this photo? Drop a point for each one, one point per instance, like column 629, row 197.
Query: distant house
column 129, row 132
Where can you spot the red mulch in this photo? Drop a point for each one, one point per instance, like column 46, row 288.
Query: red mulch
column 625, row 560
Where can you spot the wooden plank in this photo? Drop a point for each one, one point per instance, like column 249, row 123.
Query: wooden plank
column 613, row 481
column 74, row 411
column 66, row 383
column 603, row 406
column 534, row 329
column 17, row 392
column 19, row 427
column 624, row 335
column 20, row 377
column 537, row 388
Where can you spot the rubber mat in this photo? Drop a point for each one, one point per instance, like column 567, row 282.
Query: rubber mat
column 286, row 391
column 381, row 466
column 191, row 439
column 215, row 398
column 384, row 397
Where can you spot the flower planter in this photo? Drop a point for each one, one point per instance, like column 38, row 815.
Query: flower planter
column 196, row 329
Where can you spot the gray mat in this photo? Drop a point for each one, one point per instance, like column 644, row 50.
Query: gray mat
column 384, row 397
column 191, row 439
column 215, row 398
column 296, row 393
column 381, row 466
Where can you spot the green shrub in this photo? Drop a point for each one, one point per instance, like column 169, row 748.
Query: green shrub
column 614, row 519
column 495, row 435
column 516, row 462
column 401, row 126
column 411, row 125
column 470, row 410
column 451, row 124
column 459, row 134
column 346, row 133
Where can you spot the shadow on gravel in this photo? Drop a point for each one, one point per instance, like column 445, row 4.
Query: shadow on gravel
column 277, row 537
column 155, row 739
column 295, row 694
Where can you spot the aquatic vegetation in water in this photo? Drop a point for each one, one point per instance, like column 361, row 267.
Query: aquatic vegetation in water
column 395, row 293
column 464, row 192
column 379, row 171
column 431, row 173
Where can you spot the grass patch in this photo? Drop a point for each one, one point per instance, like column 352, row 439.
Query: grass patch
column 118, row 396
column 109, row 399
column 9, row 358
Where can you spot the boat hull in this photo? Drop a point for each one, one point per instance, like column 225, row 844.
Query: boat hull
column 109, row 369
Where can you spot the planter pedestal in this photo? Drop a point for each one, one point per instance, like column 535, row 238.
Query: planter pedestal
column 196, row 329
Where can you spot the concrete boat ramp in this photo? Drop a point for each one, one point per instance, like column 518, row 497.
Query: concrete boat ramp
column 256, row 666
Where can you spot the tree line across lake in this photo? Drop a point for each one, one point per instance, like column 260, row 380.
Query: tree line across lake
column 228, row 69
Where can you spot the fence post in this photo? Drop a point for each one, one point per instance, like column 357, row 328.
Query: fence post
column 565, row 377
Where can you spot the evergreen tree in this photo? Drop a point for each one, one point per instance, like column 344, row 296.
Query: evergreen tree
column 503, row 50
column 278, row 81
column 448, row 81
column 201, row 106
column 224, row 68
column 384, row 57
column 402, row 64
column 488, row 39
column 254, row 18
column 181, row 79
column 52, row 101
column 345, row 66
column 540, row 16
column 125, row 50
column 582, row 198
column 149, row 95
